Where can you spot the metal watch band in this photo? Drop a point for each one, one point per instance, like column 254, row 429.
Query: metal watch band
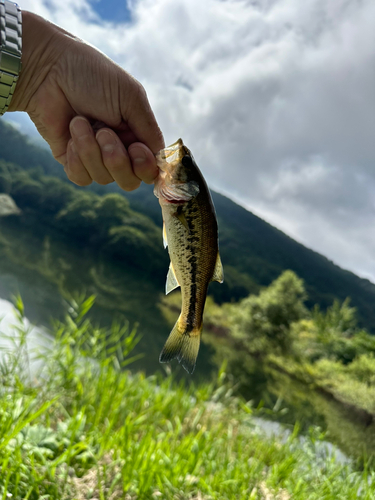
column 10, row 51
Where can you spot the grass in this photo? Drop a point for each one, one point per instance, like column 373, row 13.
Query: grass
column 83, row 427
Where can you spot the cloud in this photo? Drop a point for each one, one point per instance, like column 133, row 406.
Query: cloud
column 276, row 100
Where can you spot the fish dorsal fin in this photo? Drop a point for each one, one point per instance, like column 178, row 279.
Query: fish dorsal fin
column 219, row 271
column 172, row 282
column 165, row 241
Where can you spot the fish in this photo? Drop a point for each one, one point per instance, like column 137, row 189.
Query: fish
column 190, row 231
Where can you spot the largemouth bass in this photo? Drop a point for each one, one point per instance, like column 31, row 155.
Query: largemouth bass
column 191, row 234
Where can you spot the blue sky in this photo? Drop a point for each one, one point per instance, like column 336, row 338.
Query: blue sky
column 112, row 10
column 275, row 99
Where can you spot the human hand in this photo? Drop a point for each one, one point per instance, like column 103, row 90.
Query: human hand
column 95, row 116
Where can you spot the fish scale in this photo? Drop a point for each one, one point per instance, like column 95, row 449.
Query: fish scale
column 191, row 233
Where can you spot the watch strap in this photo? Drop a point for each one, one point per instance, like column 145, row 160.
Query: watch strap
column 10, row 51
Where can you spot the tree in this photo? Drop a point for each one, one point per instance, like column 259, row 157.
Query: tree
column 5, row 177
column 79, row 218
column 263, row 322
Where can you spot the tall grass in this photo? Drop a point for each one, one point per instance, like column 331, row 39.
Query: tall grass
column 84, row 427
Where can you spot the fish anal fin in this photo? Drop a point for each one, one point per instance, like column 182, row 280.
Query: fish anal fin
column 218, row 271
column 172, row 282
column 183, row 346
column 165, row 241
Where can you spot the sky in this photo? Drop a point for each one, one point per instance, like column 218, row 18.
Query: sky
column 275, row 98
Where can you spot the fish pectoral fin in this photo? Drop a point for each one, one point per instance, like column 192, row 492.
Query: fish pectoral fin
column 165, row 241
column 218, row 271
column 172, row 282
column 181, row 217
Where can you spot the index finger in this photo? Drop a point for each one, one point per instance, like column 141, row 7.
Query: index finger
column 138, row 114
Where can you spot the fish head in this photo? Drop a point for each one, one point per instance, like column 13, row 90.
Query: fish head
column 178, row 179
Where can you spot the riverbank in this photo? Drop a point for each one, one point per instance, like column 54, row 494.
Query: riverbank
column 317, row 365
column 94, row 430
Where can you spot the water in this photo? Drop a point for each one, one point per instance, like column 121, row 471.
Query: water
column 47, row 273
column 285, row 401
column 38, row 340
column 43, row 274
column 324, row 449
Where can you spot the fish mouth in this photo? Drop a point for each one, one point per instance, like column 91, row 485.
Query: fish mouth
column 172, row 155
column 168, row 188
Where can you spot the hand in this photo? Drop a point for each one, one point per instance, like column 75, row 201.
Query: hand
column 93, row 114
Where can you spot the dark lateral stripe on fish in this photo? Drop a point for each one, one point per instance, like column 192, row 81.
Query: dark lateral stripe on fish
column 192, row 306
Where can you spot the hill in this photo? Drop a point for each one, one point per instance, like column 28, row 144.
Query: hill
column 254, row 252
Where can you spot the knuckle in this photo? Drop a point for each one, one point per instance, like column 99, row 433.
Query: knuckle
column 61, row 158
column 140, row 90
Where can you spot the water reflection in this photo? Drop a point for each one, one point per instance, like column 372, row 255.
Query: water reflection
column 324, row 449
column 37, row 339
column 287, row 401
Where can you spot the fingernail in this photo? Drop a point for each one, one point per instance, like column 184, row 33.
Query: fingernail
column 106, row 140
column 73, row 148
column 137, row 155
column 80, row 127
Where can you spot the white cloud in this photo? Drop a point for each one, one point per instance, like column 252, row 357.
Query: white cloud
column 275, row 98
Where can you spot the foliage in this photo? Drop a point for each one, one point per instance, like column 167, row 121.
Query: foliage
column 339, row 318
column 263, row 322
column 323, row 348
column 82, row 427
column 332, row 334
column 99, row 223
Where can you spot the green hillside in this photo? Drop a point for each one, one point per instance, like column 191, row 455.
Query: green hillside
column 254, row 253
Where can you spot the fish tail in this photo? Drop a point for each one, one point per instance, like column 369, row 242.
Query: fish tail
column 183, row 345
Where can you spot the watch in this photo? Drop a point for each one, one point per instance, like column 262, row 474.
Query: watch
column 10, row 51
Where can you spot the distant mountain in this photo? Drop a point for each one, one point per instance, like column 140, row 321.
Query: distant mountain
column 254, row 252
column 19, row 148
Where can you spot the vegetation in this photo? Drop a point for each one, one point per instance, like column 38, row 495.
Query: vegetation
column 323, row 348
column 253, row 252
column 81, row 426
column 104, row 224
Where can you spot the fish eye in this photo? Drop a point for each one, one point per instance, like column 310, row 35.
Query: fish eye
column 187, row 161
